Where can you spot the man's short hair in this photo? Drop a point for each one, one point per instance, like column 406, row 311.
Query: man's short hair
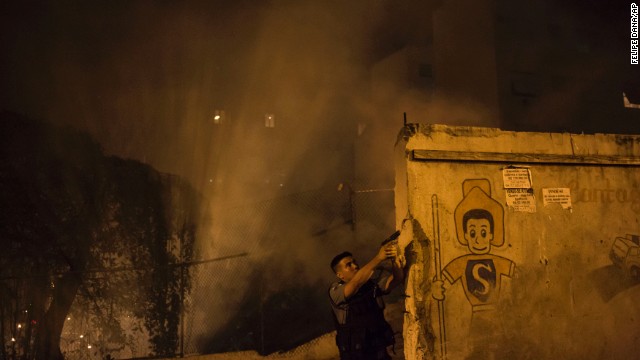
column 337, row 259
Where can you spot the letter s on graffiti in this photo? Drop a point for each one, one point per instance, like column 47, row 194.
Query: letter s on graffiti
column 485, row 284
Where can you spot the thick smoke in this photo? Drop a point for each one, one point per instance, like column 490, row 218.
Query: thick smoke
column 145, row 79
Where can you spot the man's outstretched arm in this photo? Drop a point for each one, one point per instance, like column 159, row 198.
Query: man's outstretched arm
column 397, row 274
column 365, row 272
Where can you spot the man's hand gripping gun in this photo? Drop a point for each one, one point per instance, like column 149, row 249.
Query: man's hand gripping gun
column 399, row 258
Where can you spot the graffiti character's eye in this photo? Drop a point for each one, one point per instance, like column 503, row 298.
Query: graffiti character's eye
column 483, row 233
column 472, row 233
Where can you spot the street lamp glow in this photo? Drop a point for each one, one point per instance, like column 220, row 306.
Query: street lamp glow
column 218, row 116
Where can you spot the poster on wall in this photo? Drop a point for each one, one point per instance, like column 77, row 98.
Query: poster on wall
column 560, row 196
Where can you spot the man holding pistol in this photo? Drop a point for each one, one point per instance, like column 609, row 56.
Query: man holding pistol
column 356, row 300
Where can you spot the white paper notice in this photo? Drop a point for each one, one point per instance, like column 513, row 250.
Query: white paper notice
column 560, row 196
column 516, row 178
column 521, row 200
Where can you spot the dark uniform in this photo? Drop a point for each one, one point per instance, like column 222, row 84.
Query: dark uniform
column 363, row 333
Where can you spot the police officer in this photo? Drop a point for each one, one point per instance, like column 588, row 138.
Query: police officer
column 356, row 299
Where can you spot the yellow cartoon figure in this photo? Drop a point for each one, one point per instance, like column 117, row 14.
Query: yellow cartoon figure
column 479, row 221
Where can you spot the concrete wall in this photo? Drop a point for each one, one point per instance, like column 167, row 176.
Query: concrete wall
column 535, row 279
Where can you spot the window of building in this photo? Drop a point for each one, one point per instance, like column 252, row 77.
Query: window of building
column 270, row 120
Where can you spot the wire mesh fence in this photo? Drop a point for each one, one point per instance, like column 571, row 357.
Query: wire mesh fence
column 261, row 287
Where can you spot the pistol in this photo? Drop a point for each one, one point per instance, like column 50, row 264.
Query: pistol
column 391, row 238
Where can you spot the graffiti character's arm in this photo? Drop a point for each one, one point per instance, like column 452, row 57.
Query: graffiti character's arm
column 437, row 285
column 437, row 289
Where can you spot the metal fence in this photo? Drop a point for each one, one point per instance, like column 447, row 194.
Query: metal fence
column 264, row 288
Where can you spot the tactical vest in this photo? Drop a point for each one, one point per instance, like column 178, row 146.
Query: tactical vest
column 365, row 329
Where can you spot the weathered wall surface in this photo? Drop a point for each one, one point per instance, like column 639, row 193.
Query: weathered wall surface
column 513, row 233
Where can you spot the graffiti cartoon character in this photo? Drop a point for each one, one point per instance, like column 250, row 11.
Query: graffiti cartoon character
column 479, row 221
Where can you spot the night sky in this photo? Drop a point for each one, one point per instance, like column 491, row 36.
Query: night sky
column 144, row 77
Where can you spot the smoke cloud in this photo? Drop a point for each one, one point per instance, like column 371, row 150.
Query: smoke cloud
column 146, row 79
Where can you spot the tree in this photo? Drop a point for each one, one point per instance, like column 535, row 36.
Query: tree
column 69, row 214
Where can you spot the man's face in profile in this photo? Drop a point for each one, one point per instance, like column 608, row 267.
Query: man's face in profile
column 347, row 268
